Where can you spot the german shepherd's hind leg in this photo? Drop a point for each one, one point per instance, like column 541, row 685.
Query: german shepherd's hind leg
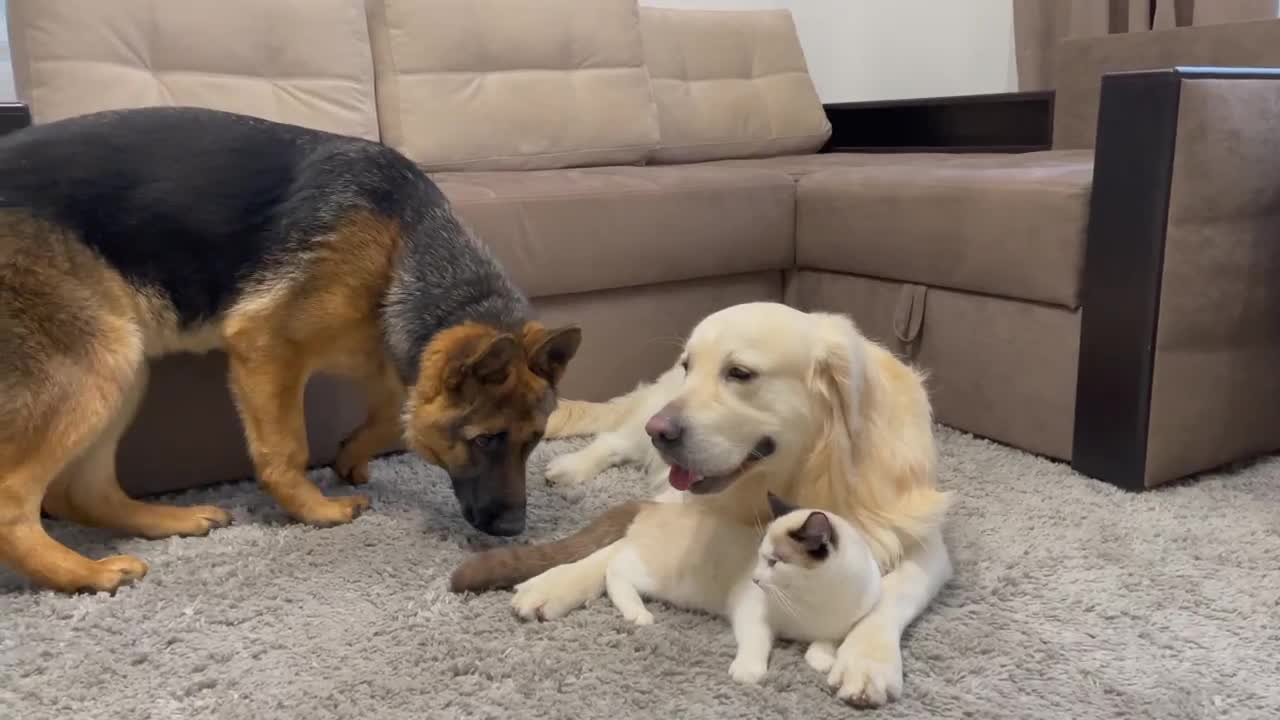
column 380, row 430
column 267, row 382
column 87, row 491
column 59, row 413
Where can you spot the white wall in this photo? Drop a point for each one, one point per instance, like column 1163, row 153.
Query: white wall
column 885, row 49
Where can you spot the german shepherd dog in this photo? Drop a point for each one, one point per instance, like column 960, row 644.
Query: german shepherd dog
column 127, row 235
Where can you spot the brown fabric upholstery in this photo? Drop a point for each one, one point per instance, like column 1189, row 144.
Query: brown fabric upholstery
column 1002, row 369
column 512, row 84
column 1002, row 225
column 187, row 433
column 801, row 165
column 1082, row 62
column 1217, row 362
column 730, row 84
column 566, row 231
column 306, row 62
column 633, row 334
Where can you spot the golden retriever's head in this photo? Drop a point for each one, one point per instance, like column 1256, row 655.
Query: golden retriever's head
column 480, row 406
column 762, row 383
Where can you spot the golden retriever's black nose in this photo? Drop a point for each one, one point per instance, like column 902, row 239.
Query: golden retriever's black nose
column 665, row 430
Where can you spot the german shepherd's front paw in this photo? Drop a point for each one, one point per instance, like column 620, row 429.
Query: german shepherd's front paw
column 333, row 511
column 111, row 573
column 350, row 465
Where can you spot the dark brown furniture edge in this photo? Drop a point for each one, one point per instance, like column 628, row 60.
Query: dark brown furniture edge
column 13, row 116
column 997, row 122
column 1124, row 260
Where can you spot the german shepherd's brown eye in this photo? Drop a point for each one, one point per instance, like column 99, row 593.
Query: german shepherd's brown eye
column 484, row 442
column 739, row 373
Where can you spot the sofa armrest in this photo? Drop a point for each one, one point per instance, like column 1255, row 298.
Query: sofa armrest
column 1002, row 122
column 1179, row 360
column 1080, row 63
column 13, row 116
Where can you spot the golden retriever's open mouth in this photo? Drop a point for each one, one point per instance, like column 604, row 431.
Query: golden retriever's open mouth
column 686, row 480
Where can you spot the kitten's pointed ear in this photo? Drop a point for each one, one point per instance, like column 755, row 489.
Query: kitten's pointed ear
column 816, row 532
column 779, row 507
column 551, row 350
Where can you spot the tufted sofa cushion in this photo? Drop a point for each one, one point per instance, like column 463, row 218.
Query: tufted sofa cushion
column 730, row 84
column 512, row 84
column 305, row 62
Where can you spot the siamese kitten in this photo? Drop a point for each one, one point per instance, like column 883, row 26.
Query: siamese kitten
column 809, row 576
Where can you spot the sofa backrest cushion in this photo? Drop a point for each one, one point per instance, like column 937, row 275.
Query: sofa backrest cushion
column 730, row 84
column 512, row 84
column 306, row 62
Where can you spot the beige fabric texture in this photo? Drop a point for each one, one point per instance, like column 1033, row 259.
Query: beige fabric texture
column 730, row 84
column 512, row 85
column 1002, row 369
column 1005, row 225
column 305, row 62
column 577, row 230
column 1218, row 342
column 1083, row 61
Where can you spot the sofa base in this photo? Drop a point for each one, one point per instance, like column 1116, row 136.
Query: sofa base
column 187, row 433
column 998, row 368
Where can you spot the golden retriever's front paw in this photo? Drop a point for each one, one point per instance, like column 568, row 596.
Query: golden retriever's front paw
column 868, row 667
column 551, row 595
column 567, row 470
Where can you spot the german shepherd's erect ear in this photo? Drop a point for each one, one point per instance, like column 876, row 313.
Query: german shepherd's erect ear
column 484, row 358
column 479, row 409
column 549, row 351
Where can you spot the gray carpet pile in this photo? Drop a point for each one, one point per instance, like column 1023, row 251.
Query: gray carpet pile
column 1071, row 600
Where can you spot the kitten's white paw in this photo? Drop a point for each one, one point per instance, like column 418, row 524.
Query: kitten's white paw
column 571, row 469
column 551, row 595
column 644, row 617
column 868, row 667
column 821, row 656
column 749, row 671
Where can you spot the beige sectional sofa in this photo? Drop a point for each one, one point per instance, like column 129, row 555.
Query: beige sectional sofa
column 637, row 168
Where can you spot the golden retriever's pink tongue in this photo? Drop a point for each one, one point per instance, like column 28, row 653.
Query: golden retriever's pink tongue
column 681, row 478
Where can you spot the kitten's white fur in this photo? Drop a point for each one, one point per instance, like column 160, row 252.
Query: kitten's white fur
column 691, row 558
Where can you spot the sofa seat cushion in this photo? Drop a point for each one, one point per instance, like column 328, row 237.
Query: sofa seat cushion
column 1001, row 225
column 809, row 163
column 306, row 62
column 577, row 230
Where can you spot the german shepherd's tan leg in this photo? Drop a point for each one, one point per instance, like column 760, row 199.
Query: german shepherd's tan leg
column 71, row 412
column 268, row 390
column 380, row 429
column 87, row 491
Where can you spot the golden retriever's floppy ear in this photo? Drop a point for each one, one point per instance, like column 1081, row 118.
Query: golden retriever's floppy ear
column 839, row 370
column 550, row 351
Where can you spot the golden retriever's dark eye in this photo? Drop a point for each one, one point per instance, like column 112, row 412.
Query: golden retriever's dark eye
column 739, row 373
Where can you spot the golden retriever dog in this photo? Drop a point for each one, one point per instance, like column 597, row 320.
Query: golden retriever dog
column 765, row 398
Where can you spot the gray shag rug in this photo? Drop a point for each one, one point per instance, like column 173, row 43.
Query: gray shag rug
column 1071, row 600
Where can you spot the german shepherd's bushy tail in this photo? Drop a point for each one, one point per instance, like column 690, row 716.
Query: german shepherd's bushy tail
column 508, row 566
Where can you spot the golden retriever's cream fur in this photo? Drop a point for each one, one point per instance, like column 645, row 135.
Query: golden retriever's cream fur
column 769, row 398
column 852, row 424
